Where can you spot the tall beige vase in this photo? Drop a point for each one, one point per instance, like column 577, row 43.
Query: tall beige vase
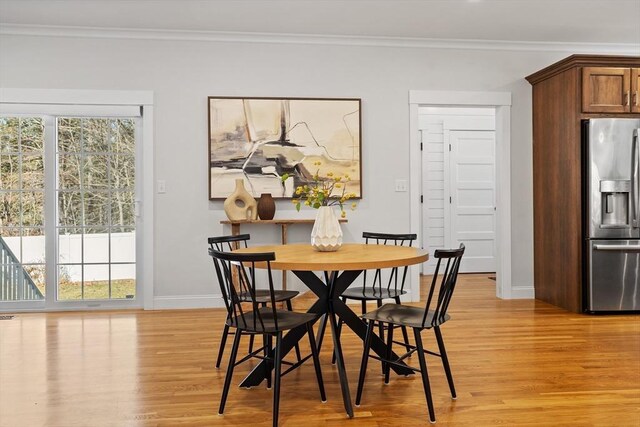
column 326, row 235
column 240, row 204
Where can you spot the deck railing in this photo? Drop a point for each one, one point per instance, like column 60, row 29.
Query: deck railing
column 15, row 283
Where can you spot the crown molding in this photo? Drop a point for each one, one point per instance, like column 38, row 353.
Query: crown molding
column 313, row 39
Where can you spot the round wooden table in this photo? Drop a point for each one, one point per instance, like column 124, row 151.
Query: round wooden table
column 340, row 269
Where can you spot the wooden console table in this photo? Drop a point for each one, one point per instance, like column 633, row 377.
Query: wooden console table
column 284, row 225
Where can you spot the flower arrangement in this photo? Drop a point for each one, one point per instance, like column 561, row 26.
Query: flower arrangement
column 320, row 192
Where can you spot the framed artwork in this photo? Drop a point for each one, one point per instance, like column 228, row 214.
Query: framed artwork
column 261, row 139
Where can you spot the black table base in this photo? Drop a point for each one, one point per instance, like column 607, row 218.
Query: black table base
column 328, row 306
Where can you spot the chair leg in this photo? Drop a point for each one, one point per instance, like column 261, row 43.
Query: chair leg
column 277, row 360
column 405, row 335
column 364, row 306
column 297, row 347
column 387, row 367
column 251, row 338
column 365, row 360
column 445, row 360
column 266, row 343
column 316, row 362
column 232, row 363
column 425, row 375
column 223, row 342
column 381, row 332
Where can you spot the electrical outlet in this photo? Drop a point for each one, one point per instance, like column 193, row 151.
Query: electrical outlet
column 162, row 186
column 401, row 185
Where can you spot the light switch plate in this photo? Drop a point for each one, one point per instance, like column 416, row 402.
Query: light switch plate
column 401, row 185
column 162, row 186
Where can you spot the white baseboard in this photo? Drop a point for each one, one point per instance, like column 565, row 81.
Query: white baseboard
column 522, row 292
column 187, row 301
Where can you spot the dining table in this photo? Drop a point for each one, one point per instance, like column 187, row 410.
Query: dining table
column 328, row 275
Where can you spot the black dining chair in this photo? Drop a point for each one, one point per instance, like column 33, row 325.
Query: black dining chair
column 247, row 314
column 375, row 290
column 418, row 319
column 229, row 243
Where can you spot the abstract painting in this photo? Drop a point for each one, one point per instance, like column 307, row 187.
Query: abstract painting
column 261, row 139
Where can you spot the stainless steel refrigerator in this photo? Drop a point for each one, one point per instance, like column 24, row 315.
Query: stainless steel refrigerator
column 612, row 215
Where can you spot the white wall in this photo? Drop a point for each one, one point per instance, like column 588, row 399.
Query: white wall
column 183, row 73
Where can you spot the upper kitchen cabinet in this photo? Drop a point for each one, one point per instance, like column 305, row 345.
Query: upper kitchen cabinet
column 610, row 90
column 606, row 90
column 635, row 88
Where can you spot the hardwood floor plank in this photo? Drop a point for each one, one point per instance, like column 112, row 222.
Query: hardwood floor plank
column 514, row 362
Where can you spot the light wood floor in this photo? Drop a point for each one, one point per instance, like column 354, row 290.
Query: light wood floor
column 514, row 363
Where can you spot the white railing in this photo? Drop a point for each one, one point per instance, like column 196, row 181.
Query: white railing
column 15, row 282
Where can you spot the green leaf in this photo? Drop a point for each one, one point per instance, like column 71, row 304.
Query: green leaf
column 316, row 205
column 284, row 177
column 298, row 206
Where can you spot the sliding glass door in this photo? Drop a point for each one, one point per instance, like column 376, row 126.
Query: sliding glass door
column 68, row 211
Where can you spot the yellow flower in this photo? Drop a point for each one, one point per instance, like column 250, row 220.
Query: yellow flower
column 298, row 190
column 307, row 203
column 343, row 214
column 338, row 185
column 338, row 178
column 353, row 205
column 346, row 176
column 329, row 173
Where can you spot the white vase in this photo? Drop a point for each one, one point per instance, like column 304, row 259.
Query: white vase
column 326, row 235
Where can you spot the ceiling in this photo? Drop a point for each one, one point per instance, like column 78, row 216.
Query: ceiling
column 576, row 21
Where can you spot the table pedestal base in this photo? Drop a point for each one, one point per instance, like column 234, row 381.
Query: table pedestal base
column 328, row 305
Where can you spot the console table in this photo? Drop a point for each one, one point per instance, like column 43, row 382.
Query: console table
column 283, row 223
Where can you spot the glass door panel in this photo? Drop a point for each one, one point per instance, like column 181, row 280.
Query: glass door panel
column 96, row 232
column 22, row 236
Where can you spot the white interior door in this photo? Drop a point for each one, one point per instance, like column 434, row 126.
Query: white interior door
column 471, row 208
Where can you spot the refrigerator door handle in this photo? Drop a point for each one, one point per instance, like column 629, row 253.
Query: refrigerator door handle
column 635, row 179
column 624, row 248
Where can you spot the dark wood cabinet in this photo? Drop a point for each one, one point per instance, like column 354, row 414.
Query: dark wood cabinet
column 578, row 87
column 635, row 88
column 606, row 89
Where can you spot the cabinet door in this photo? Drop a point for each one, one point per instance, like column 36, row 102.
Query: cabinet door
column 606, row 90
column 635, row 90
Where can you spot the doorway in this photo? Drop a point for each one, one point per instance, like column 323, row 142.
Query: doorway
column 500, row 103
column 458, row 180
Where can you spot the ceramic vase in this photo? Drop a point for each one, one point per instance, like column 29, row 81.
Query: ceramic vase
column 266, row 206
column 326, row 235
column 240, row 205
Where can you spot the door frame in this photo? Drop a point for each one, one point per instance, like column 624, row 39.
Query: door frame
column 501, row 101
column 145, row 229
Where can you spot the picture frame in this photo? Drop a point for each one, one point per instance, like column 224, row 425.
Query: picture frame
column 260, row 139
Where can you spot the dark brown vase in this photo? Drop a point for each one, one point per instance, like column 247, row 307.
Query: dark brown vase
column 266, row 206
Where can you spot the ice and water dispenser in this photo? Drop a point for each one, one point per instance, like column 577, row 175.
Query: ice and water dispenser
column 615, row 203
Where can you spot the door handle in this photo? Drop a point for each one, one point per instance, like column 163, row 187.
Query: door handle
column 635, row 179
column 624, row 248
